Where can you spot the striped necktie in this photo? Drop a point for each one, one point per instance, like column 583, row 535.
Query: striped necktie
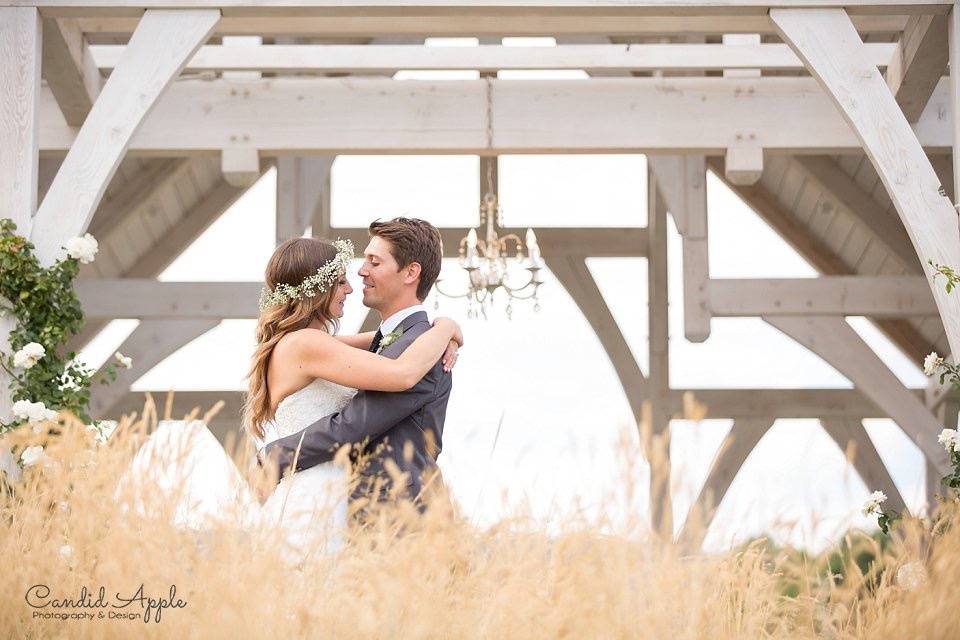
column 376, row 341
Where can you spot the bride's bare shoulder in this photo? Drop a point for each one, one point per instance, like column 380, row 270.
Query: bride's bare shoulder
column 298, row 341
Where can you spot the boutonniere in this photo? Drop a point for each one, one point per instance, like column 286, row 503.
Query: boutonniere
column 389, row 339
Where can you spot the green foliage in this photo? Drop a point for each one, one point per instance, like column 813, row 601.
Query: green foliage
column 952, row 278
column 46, row 310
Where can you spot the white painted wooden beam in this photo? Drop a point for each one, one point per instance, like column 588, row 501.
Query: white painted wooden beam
column 742, row 439
column 365, row 59
column 683, row 182
column 20, row 48
column 841, row 347
column 139, row 297
column 783, row 403
column 69, row 69
column 466, row 11
column 822, row 37
column 744, row 163
column 854, row 441
column 572, row 273
column 497, row 25
column 738, row 404
column 301, row 184
column 157, row 51
column 872, row 296
column 149, row 344
column 918, row 63
column 153, row 299
column 236, row 45
column 305, row 115
column 240, row 166
column 746, row 41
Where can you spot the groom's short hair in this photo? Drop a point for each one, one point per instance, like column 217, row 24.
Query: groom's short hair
column 413, row 240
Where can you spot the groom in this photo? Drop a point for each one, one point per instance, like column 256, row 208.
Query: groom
column 399, row 431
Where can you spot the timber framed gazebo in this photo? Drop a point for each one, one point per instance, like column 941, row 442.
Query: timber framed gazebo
column 141, row 122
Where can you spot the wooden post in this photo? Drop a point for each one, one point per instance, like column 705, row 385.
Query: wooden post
column 953, row 39
column 20, row 50
column 657, row 432
column 682, row 181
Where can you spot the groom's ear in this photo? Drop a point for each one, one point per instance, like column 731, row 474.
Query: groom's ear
column 411, row 272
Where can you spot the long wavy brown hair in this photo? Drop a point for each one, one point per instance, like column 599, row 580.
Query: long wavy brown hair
column 290, row 263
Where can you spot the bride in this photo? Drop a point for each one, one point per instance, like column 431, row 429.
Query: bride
column 301, row 371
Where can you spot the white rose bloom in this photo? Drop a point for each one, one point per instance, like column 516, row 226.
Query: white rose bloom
column 950, row 440
column 911, row 575
column 124, row 360
column 31, row 455
column 83, row 248
column 21, row 409
column 873, row 502
column 29, row 355
column 931, row 363
column 32, row 411
column 66, row 552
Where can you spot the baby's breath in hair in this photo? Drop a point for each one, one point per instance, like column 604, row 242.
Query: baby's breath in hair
column 313, row 285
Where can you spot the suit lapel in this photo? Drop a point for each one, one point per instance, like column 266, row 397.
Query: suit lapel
column 412, row 319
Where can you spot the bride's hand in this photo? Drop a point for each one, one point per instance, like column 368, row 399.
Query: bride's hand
column 452, row 324
column 450, row 356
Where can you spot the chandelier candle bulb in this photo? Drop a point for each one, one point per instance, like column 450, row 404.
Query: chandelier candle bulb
column 532, row 247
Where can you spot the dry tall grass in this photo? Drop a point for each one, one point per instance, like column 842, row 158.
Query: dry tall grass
column 69, row 527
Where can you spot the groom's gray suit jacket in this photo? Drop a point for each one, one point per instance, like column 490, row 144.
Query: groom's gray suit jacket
column 385, row 422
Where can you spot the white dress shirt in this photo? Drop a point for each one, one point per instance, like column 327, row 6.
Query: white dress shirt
column 394, row 320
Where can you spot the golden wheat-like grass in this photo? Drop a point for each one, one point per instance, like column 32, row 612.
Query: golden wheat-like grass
column 77, row 520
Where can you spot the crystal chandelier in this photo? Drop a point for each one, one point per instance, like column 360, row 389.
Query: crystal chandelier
column 488, row 264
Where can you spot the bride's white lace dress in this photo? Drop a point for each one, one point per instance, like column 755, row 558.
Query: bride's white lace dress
column 310, row 505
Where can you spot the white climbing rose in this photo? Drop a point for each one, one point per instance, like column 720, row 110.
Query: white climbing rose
column 83, row 248
column 873, row 502
column 32, row 411
column 31, row 455
column 29, row 355
column 950, row 440
column 931, row 363
column 126, row 361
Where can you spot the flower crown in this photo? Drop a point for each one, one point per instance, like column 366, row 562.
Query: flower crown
column 317, row 283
